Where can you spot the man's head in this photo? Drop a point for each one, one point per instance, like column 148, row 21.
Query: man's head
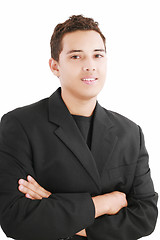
column 74, row 23
column 79, row 58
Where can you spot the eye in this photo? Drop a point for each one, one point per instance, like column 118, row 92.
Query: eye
column 99, row 56
column 75, row 57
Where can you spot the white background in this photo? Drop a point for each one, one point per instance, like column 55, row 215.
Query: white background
column 132, row 30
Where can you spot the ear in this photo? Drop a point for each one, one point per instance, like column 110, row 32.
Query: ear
column 54, row 66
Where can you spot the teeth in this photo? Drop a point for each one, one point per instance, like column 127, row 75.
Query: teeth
column 88, row 79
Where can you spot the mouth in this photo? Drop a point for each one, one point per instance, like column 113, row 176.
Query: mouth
column 89, row 80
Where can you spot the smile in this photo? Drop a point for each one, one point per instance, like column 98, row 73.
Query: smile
column 89, row 80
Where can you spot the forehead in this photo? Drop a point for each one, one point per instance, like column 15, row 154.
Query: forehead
column 84, row 40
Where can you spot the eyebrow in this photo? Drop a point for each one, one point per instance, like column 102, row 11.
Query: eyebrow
column 99, row 50
column 76, row 50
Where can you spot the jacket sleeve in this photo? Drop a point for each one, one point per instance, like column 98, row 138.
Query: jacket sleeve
column 139, row 218
column 59, row 216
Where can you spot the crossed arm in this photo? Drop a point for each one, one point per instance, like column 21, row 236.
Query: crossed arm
column 110, row 203
column 135, row 221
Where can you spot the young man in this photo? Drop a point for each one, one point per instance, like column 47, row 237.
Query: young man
column 68, row 167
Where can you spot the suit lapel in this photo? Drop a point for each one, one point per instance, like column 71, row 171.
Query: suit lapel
column 104, row 138
column 69, row 133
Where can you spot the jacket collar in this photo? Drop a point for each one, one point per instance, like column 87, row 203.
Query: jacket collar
column 58, row 111
column 69, row 133
column 104, row 138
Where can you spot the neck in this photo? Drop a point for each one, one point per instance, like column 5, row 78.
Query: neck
column 77, row 106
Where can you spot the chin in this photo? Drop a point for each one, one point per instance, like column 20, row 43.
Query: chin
column 93, row 92
column 89, row 95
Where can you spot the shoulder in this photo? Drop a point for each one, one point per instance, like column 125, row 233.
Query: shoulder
column 29, row 113
column 120, row 119
column 123, row 124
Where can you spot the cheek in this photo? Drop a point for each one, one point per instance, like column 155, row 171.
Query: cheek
column 69, row 70
column 104, row 70
column 64, row 74
column 102, row 67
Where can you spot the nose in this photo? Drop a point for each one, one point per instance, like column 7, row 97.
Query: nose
column 87, row 69
column 89, row 66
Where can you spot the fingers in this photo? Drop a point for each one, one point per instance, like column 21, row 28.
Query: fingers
column 32, row 189
column 82, row 233
column 40, row 190
column 29, row 193
column 29, row 196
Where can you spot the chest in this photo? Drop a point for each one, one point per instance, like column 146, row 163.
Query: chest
column 58, row 169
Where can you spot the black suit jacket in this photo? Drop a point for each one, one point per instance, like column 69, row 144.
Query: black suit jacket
column 44, row 141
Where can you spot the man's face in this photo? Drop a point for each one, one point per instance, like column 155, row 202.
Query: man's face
column 82, row 64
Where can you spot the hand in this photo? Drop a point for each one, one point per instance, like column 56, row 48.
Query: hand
column 32, row 189
column 116, row 201
column 82, row 233
column 109, row 203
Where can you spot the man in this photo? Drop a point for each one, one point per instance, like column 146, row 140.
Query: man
column 70, row 169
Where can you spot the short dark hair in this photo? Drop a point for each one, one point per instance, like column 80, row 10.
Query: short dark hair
column 74, row 23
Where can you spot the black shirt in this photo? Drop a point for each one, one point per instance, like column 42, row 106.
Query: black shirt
column 85, row 126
